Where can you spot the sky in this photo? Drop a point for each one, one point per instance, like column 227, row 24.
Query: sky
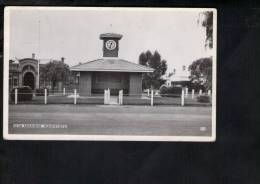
column 74, row 34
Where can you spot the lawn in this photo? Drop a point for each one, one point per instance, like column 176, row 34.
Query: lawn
column 112, row 120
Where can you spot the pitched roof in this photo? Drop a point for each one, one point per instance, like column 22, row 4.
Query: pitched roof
column 111, row 64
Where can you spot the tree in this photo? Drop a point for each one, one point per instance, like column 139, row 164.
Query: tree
column 207, row 21
column 154, row 61
column 55, row 71
column 201, row 72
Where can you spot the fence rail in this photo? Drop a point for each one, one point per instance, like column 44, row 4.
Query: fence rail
column 151, row 98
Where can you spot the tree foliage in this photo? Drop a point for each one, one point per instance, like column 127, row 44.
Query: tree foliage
column 159, row 65
column 207, row 22
column 201, row 72
column 55, row 71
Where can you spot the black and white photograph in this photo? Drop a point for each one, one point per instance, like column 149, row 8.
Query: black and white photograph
column 118, row 74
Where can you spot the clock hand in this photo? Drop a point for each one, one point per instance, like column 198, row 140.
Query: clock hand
column 110, row 44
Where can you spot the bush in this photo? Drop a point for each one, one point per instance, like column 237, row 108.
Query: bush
column 203, row 99
column 163, row 89
column 40, row 91
column 197, row 87
column 170, row 91
column 24, row 93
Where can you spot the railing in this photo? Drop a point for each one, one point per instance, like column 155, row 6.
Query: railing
column 150, row 98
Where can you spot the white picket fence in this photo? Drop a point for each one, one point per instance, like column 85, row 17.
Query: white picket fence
column 107, row 96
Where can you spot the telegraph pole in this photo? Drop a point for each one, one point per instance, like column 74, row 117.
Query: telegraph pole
column 39, row 47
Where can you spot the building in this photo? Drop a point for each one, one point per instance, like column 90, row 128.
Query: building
column 110, row 71
column 25, row 72
column 29, row 72
column 179, row 77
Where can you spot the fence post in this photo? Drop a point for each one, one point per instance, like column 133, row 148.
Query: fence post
column 151, row 97
column 120, row 97
column 192, row 93
column 209, row 92
column 182, row 97
column 15, row 96
column 64, row 91
column 75, row 96
column 45, row 96
column 148, row 92
column 105, row 97
column 186, row 91
column 200, row 92
column 108, row 95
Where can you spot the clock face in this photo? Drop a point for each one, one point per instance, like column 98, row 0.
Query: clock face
column 110, row 44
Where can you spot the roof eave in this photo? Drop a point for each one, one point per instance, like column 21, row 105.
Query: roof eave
column 112, row 70
column 27, row 59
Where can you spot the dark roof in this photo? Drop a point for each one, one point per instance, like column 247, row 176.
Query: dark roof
column 111, row 64
column 110, row 35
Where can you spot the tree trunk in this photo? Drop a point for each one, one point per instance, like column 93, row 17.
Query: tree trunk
column 53, row 84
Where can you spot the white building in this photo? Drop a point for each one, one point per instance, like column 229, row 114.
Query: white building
column 178, row 77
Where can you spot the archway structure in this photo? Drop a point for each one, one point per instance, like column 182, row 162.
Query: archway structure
column 29, row 80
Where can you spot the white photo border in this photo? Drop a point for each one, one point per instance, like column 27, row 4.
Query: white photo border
column 8, row 136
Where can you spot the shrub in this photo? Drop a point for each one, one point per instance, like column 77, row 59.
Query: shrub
column 24, row 93
column 203, row 99
column 170, row 91
column 197, row 87
column 40, row 91
column 163, row 89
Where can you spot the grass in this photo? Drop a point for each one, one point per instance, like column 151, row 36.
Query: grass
column 115, row 120
column 135, row 100
column 167, row 101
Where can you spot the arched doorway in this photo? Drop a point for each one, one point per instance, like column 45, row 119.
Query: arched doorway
column 29, row 80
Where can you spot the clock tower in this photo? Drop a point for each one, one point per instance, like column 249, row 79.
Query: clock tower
column 110, row 44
